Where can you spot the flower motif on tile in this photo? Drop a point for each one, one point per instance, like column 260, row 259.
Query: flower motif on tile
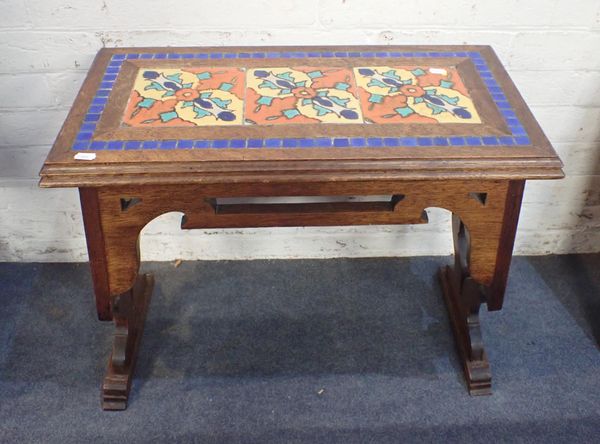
column 186, row 97
column 301, row 95
column 414, row 94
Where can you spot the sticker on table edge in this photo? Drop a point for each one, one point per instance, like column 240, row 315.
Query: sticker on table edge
column 85, row 156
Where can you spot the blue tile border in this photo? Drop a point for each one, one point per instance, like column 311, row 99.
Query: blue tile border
column 83, row 139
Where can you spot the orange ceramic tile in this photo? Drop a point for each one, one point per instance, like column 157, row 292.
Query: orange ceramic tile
column 301, row 95
column 412, row 94
column 186, row 97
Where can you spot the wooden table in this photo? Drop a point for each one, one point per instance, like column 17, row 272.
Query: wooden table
column 155, row 130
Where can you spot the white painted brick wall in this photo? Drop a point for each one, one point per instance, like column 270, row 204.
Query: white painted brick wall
column 550, row 47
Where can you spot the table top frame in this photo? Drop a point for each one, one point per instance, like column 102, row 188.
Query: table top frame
column 384, row 154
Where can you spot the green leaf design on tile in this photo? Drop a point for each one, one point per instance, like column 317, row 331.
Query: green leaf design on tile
column 170, row 115
column 146, row 103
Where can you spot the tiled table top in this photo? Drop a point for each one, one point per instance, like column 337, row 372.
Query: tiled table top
column 257, row 104
column 216, row 94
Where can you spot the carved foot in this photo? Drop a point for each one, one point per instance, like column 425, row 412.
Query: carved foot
column 463, row 301
column 129, row 312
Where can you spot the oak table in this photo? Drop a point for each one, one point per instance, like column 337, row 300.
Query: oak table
column 155, row 130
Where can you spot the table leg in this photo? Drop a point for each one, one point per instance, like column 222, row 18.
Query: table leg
column 94, row 234
column 129, row 311
column 112, row 232
column 491, row 233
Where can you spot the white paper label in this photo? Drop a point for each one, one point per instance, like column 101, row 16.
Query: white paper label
column 441, row 71
column 85, row 156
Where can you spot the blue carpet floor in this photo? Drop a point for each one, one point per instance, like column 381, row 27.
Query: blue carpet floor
column 307, row 351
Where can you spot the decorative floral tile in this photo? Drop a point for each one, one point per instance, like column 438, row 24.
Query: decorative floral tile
column 413, row 94
column 301, row 95
column 186, row 97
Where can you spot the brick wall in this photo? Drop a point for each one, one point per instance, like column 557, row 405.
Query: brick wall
column 550, row 47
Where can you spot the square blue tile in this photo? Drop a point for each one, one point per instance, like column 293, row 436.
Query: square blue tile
column 150, row 144
column 237, row 143
column 375, row 141
column 473, row 141
column 424, row 141
column 440, row 141
column 92, row 117
column 201, row 144
column 115, row 145
column 307, row 143
column 358, row 142
column 96, row 109
column 201, row 55
column 133, row 145
column 185, row 144
column 456, row 141
column 80, row 146
column 254, row 143
column 220, row 143
column 272, row 143
column 168, row 144
column 98, row 145
column 407, row 141
column 290, row 143
column 323, row 141
column 522, row 140
column 391, row 141
column 506, row 140
column 341, row 142
column 84, row 135
column 490, row 140
column 87, row 126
